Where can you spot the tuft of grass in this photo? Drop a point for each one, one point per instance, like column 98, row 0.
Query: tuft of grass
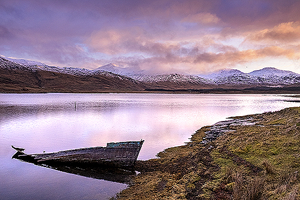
column 255, row 189
column 292, row 195
column 247, row 188
column 278, row 122
column 238, row 186
column 268, row 167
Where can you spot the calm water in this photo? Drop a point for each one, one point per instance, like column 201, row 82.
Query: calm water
column 53, row 122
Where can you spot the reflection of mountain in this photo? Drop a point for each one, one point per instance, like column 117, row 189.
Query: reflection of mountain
column 8, row 112
column 91, row 171
column 30, row 76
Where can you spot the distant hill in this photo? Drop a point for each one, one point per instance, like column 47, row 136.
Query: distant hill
column 15, row 77
column 19, row 75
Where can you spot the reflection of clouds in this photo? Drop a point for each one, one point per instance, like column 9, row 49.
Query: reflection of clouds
column 161, row 120
column 20, row 180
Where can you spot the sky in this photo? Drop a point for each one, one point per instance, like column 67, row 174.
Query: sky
column 158, row 36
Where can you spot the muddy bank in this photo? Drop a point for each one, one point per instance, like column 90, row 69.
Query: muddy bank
column 249, row 157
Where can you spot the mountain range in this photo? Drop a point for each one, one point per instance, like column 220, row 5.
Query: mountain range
column 19, row 75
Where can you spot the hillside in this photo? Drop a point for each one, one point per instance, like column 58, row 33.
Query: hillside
column 251, row 157
column 18, row 78
column 17, row 75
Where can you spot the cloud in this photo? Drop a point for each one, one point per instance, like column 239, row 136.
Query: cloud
column 5, row 34
column 202, row 18
column 158, row 35
column 244, row 56
column 207, row 61
column 136, row 41
column 284, row 32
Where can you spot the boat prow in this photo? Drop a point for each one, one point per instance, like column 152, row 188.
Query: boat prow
column 18, row 149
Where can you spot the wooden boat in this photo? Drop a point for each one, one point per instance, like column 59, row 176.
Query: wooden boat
column 114, row 174
column 115, row 154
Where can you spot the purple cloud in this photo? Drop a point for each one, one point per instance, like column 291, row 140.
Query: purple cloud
column 161, row 35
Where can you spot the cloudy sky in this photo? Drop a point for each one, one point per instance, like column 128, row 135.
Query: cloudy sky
column 186, row 36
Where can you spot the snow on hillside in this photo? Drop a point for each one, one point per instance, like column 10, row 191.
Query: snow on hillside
column 273, row 76
column 6, row 64
column 141, row 75
column 25, row 62
column 33, row 66
column 171, row 78
column 125, row 71
column 271, row 71
column 222, row 73
column 269, row 76
column 228, row 76
column 266, row 76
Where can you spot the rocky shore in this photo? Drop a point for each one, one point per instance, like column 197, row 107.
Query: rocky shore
column 248, row 157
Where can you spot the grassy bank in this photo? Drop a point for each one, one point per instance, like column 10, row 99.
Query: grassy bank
column 259, row 159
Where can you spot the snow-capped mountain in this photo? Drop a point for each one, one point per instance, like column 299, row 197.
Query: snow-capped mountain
column 26, row 62
column 143, row 76
column 33, row 66
column 271, row 71
column 229, row 76
column 175, row 78
column 272, row 75
column 125, row 71
column 15, row 77
column 222, row 73
column 264, row 77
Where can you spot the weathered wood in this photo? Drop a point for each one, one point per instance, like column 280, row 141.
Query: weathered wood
column 119, row 154
column 17, row 149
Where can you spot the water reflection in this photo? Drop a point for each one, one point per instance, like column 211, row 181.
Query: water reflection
column 50, row 122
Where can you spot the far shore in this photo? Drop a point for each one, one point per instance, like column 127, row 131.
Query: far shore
column 263, row 90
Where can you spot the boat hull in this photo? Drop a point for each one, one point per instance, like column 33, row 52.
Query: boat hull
column 119, row 154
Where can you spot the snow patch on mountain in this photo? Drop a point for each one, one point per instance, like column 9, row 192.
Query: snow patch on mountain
column 271, row 71
column 34, row 66
column 222, row 73
column 266, row 76
column 25, row 62
column 271, row 75
column 175, row 78
column 125, row 71
column 6, row 64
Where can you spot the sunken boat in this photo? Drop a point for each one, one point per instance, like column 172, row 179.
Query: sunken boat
column 118, row 175
column 115, row 154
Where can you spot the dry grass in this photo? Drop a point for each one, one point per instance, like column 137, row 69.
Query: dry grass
column 248, row 188
column 292, row 195
column 268, row 167
column 238, row 189
column 255, row 189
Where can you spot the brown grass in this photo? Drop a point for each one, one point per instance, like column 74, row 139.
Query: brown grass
column 268, row 167
column 238, row 189
column 255, row 189
column 292, row 195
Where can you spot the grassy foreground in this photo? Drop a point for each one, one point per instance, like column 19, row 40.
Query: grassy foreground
column 253, row 161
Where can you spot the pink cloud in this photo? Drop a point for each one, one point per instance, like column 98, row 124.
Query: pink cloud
column 284, row 32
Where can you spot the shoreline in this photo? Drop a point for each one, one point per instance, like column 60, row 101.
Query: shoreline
column 253, row 151
column 225, row 90
column 291, row 92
